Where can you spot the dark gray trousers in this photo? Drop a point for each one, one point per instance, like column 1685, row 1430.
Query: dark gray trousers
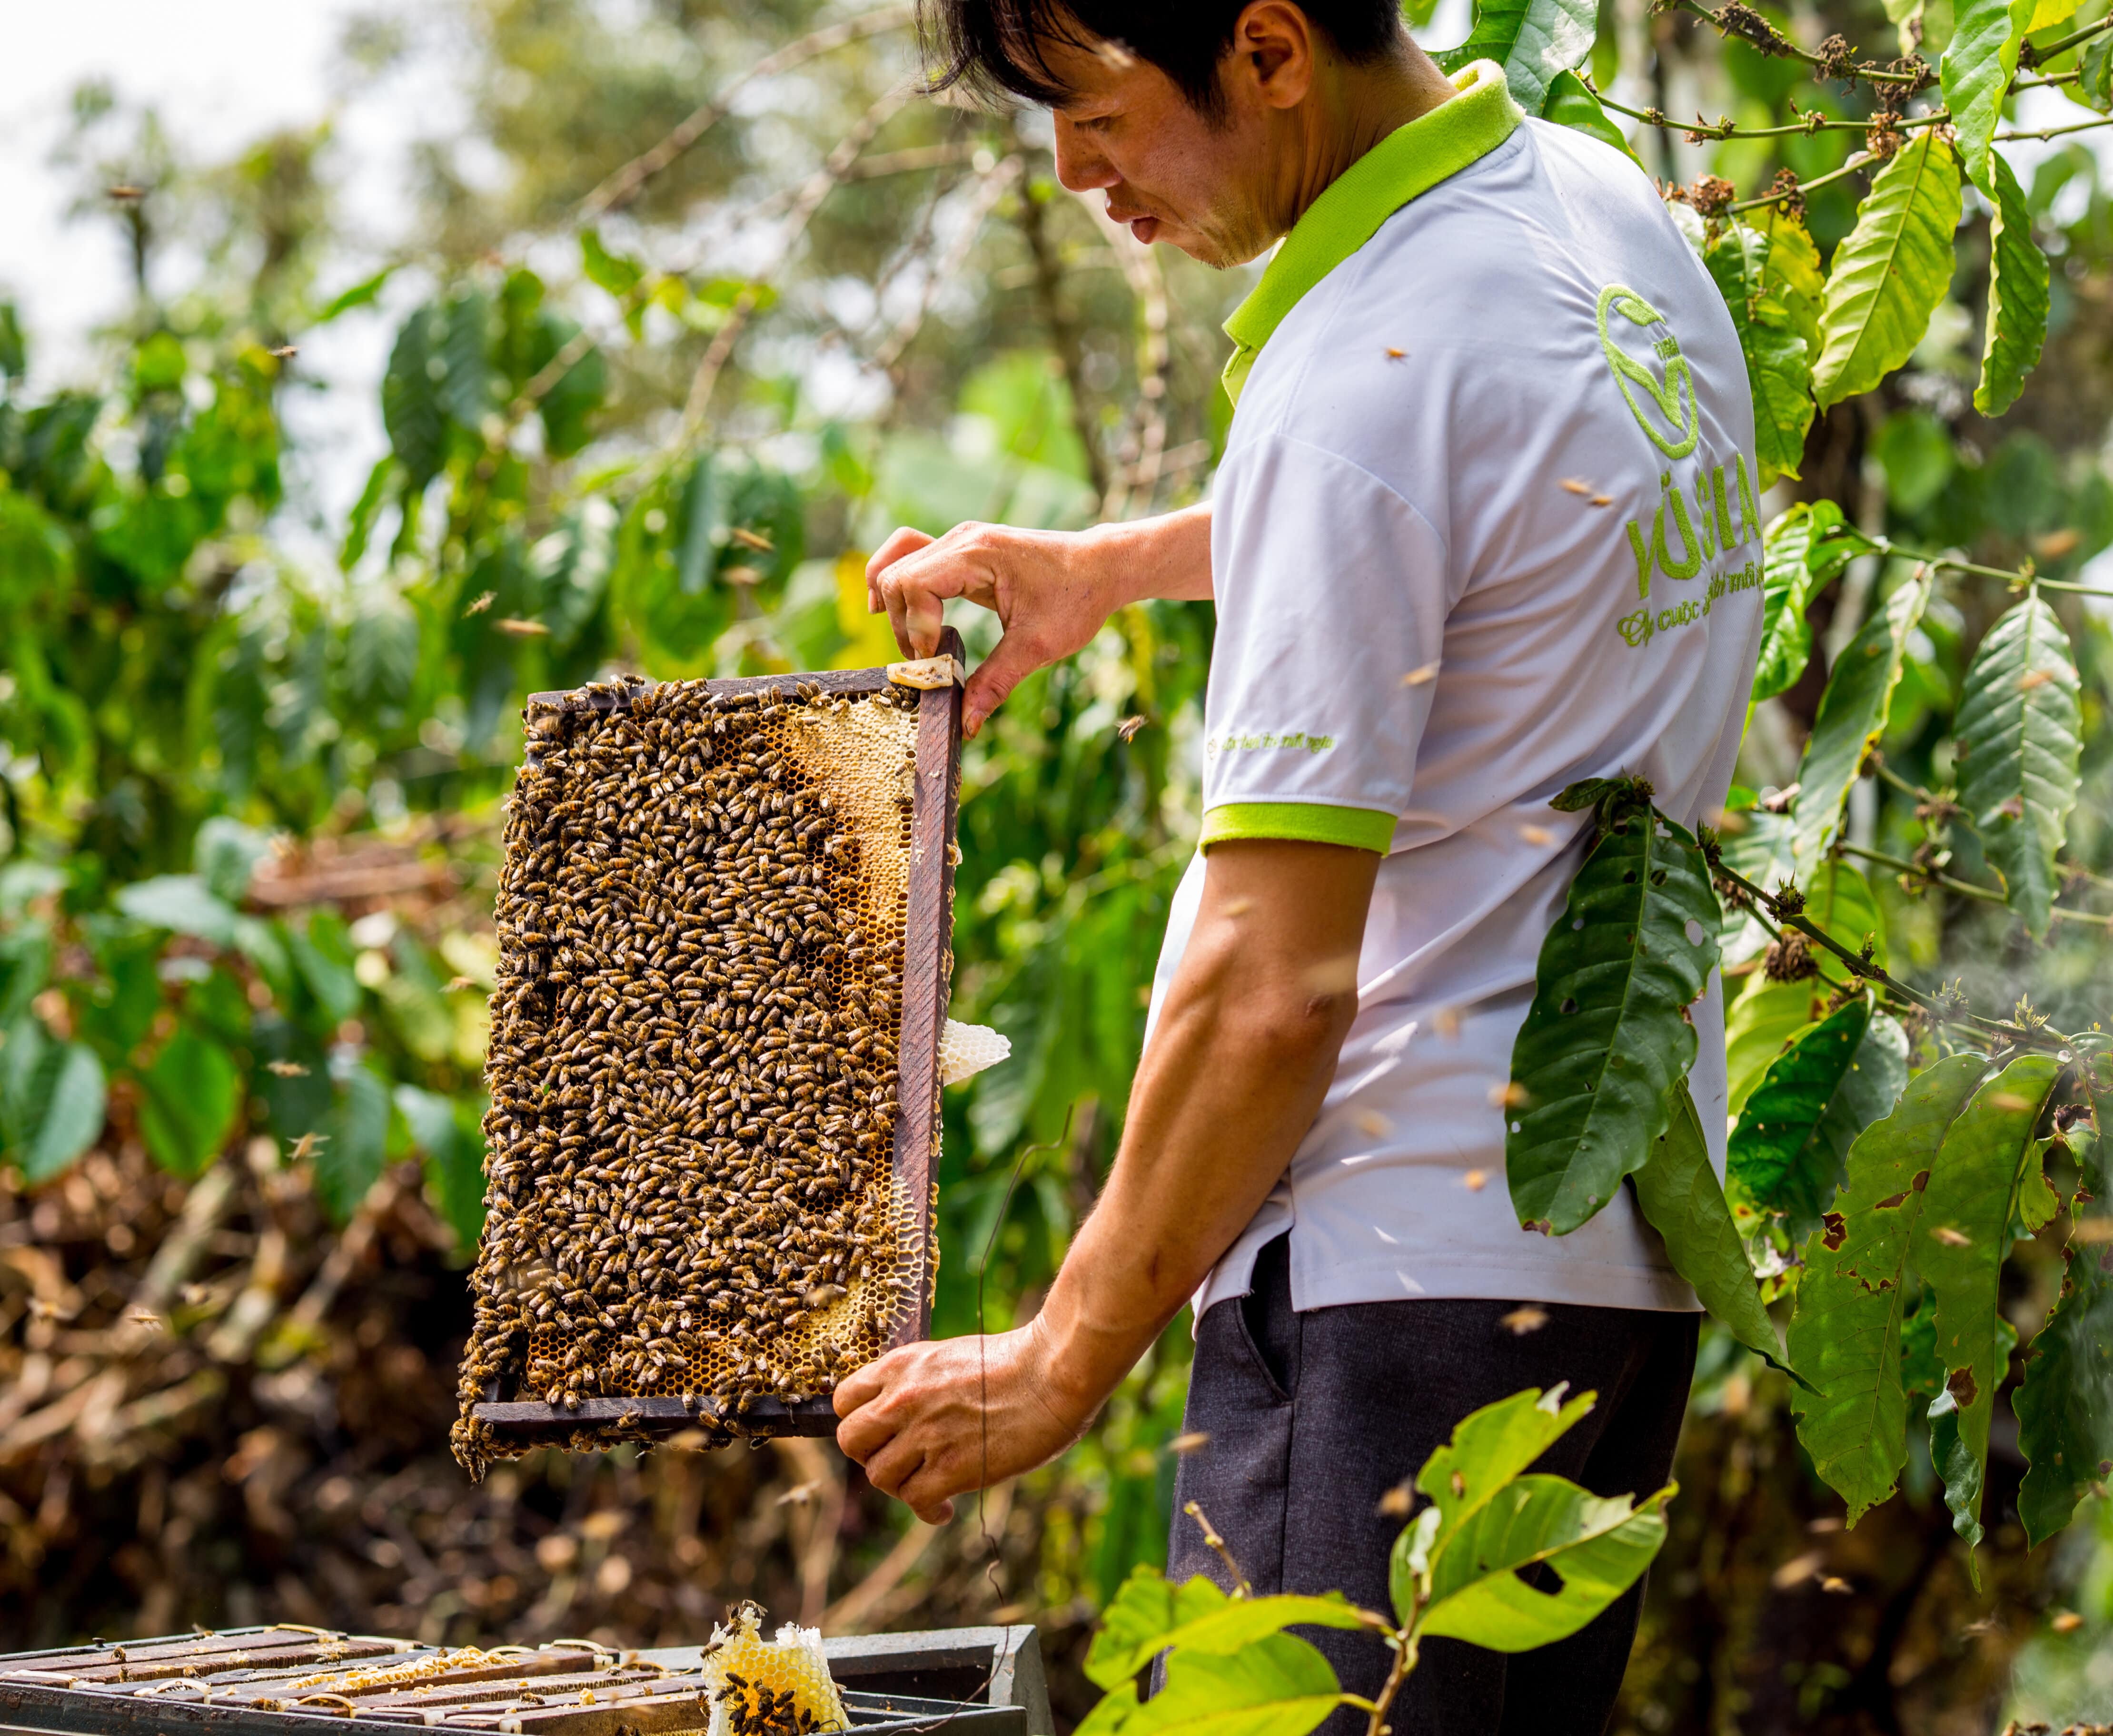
column 1313, row 1417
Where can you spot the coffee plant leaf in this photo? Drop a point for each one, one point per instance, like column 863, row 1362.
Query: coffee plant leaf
column 1533, row 40
column 2019, row 741
column 2065, row 1407
column 194, row 1091
column 1607, row 1038
column 1572, row 103
column 1852, row 715
column 411, row 411
column 1146, row 1608
column 1779, row 360
column 1802, row 551
column 1792, row 277
column 1859, row 1285
column 2018, row 276
column 1977, row 67
column 1891, row 271
column 1761, row 1025
column 1966, row 1215
column 1680, row 1198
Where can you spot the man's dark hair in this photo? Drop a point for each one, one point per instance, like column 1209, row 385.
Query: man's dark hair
column 995, row 46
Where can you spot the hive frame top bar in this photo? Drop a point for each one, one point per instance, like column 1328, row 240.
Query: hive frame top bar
column 926, row 978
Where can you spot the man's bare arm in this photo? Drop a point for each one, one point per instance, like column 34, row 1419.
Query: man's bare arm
column 1051, row 589
column 1239, row 1061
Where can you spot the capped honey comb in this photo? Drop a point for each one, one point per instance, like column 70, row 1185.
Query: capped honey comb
column 724, row 916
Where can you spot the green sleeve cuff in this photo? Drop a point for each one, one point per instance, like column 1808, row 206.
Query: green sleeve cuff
column 1308, row 822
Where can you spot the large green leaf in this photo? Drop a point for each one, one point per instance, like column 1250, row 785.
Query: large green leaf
column 181, row 903
column 1967, row 1210
column 2019, row 732
column 1572, row 103
column 1763, row 1023
column 1786, row 1154
column 1606, row 1036
column 1803, row 549
column 349, row 1162
column 1277, row 1685
column 1681, row 1199
column 1977, row 68
column 1891, row 271
column 1779, row 362
column 194, row 1093
column 1532, row 40
column 2017, row 294
column 2065, row 1406
column 411, row 411
column 1146, row 1608
column 1859, row 1284
column 53, row 1097
column 1792, row 276
column 454, row 1157
column 1852, row 715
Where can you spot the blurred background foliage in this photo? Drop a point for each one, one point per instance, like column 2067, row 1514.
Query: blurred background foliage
column 648, row 408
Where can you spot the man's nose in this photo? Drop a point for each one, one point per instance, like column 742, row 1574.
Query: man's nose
column 1079, row 167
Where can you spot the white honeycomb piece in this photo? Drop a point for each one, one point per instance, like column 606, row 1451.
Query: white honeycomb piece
column 793, row 1661
column 965, row 1050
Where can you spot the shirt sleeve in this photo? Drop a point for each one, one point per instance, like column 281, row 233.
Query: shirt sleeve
column 1332, row 597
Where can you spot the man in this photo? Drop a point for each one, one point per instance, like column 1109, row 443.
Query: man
column 1483, row 527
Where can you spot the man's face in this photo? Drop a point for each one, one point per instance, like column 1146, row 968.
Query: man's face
column 1201, row 183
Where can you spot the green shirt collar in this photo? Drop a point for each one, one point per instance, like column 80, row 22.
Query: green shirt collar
column 1409, row 161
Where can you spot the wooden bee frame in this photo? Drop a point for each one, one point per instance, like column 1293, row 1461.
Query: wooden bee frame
column 512, row 1421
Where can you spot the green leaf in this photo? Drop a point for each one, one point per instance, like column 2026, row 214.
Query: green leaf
column 1852, row 716
column 52, row 1099
column 1606, row 1036
column 1596, row 1546
column 1977, row 68
column 1802, row 551
column 360, row 294
column 193, row 1094
column 2017, row 296
column 359, row 524
column 2065, row 1407
column 227, row 854
column 1681, row 1199
column 381, row 647
column 1859, row 1284
column 1779, row 362
column 349, row 1161
column 181, row 904
column 1146, row 1608
column 1967, row 1209
column 2094, row 83
column 1793, row 278
column 1891, row 271
column 2019, row 741
column 1532, row 40
column 1493, row 1446
column 1276, row 1686
column 322, row 955
column 455, row 1159
column 410, row 401
column 572, row 567
column 1572, row 103
column 615, row 272
column 465, row 382
column 1763, row 1023
column 1240, row 1621
column 1111, row 1712
column 566, row 409
column 1788, row 1154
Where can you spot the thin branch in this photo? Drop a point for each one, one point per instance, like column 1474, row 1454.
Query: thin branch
column 2055, row 132
column 618, row 189
column 818, row 187
column 1780, row 43
column 1813, row 122
column 2061, row 45
column 1860, row 159
column 1063, row 331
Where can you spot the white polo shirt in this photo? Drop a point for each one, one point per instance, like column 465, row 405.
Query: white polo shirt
column 1485, row 525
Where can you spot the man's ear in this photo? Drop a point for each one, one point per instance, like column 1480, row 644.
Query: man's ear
column 1274, row 53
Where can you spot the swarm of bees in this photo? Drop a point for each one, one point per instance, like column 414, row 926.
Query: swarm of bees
column 693, row 1055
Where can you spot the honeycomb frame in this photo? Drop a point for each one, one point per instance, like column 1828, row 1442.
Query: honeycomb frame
column 533, row 1154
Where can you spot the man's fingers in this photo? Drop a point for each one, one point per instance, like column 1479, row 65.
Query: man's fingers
column 903, row 541
column 862, row 1386
column 1014, row 659
column 894, row 1465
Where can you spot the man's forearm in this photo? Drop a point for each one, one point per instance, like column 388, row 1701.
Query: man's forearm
column 1167, row 556
column 1239, row 1065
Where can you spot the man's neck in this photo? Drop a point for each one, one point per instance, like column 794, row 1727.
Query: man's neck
column 1351, row 109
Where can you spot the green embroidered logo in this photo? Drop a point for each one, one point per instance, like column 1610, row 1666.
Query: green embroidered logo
column 1672, row 396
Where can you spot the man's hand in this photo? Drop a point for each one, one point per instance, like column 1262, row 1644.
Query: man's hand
column 931, row 1421
column 1051, row 590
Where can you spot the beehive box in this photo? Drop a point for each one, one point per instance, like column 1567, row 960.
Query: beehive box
column 724, row 919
